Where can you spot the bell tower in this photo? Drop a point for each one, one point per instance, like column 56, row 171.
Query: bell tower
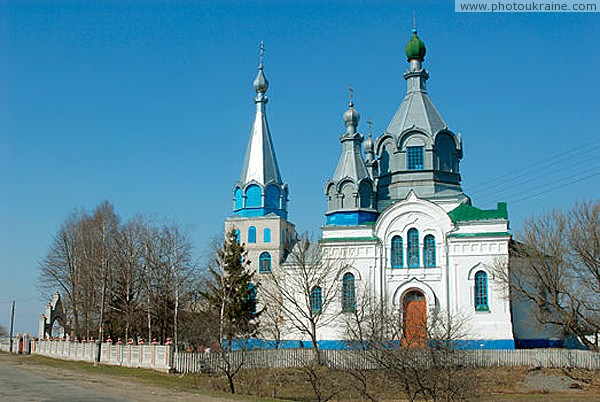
column 260, row 197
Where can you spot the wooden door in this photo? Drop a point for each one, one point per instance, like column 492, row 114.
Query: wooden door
column 415, row 320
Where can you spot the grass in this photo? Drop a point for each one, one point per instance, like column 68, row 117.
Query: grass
column 494, row 384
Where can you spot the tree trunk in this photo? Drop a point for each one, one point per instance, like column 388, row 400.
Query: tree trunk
column 231, row 384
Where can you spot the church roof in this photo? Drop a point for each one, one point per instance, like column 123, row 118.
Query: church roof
column 260, row 163
column 465, row 212
column 351, row 163
column 416, row 111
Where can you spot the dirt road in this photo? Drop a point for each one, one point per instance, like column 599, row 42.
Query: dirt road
column 23, row 381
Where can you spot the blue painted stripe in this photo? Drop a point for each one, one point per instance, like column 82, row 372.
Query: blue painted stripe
column 538, row 343
column 351, row 218
column 471, row 344
column 254, row 212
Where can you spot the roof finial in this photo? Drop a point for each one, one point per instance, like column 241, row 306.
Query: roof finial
column 369, row 124
column 260, row 83
column 414, row 21
column 351, row 91
column 261, row 52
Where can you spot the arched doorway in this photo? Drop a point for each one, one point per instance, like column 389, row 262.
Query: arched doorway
column 414, row 318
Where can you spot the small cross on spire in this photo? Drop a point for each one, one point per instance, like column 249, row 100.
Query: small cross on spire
column 261, row 51
column 369, row 124
column 414, row 21
column 351, row 91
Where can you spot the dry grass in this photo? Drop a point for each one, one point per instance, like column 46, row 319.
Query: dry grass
column 493, row 384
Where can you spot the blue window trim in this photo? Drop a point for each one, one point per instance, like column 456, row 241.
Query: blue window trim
column 348, row 293
column 253, row 196
column 429, row 247
column 415, row 157
column 239, row 199
column 252, row 234
column 316, row 300
column 397, row 252
column 267, row 235
column 265, row 263
column 481, row 291
column 412, row 248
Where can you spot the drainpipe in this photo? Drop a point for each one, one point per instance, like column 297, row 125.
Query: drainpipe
column 447, row 246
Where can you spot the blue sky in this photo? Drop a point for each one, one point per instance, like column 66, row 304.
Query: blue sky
column 149, row 105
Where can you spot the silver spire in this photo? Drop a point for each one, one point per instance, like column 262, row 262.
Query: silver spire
column 417, row 110
column 260, row 164
column 351, row 164
column 350, row 192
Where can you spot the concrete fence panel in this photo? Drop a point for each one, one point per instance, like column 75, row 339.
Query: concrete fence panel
column 157, row 357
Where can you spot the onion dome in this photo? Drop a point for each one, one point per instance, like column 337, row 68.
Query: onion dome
column 260, row 82
column 369, row 145
column 351, row 116
column 415, row 48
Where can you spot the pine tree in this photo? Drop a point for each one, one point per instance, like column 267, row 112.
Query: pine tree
column 231, row 292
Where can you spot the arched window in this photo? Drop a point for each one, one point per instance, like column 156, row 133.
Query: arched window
column 238, row 198
column 267, row 235
column 414, row 158
column 316, row 300
column 384, row 161
column 251, row 234
column 272, row 197
column 429, row 251
column 253, row 196
column 397, row 251
column 412, row 248
column 348, row 293
column 264, row 265
column 481, row 291
column 365, row 191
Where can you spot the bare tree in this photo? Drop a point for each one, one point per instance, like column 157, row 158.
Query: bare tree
column 65, row 266
column 304, row 289
column 429, row 368
column 126, row 293
column 110, row 273
column 100, row 233
column 167, row 276
column 555, row 267
column 272, row 322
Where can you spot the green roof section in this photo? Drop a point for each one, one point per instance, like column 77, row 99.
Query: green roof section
column 415, row 48
column 465, row 212
column 488, row 234
column 341, row 239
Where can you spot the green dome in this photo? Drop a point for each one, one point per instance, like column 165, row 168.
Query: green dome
column 415, row 48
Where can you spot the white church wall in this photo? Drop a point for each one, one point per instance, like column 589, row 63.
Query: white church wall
column 488, row 327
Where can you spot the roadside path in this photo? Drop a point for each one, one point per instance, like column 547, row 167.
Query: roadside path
column 20, row 381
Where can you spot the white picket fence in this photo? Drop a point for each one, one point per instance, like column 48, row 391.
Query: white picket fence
column 185, row 362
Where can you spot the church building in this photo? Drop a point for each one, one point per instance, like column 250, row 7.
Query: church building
column 396, row 215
